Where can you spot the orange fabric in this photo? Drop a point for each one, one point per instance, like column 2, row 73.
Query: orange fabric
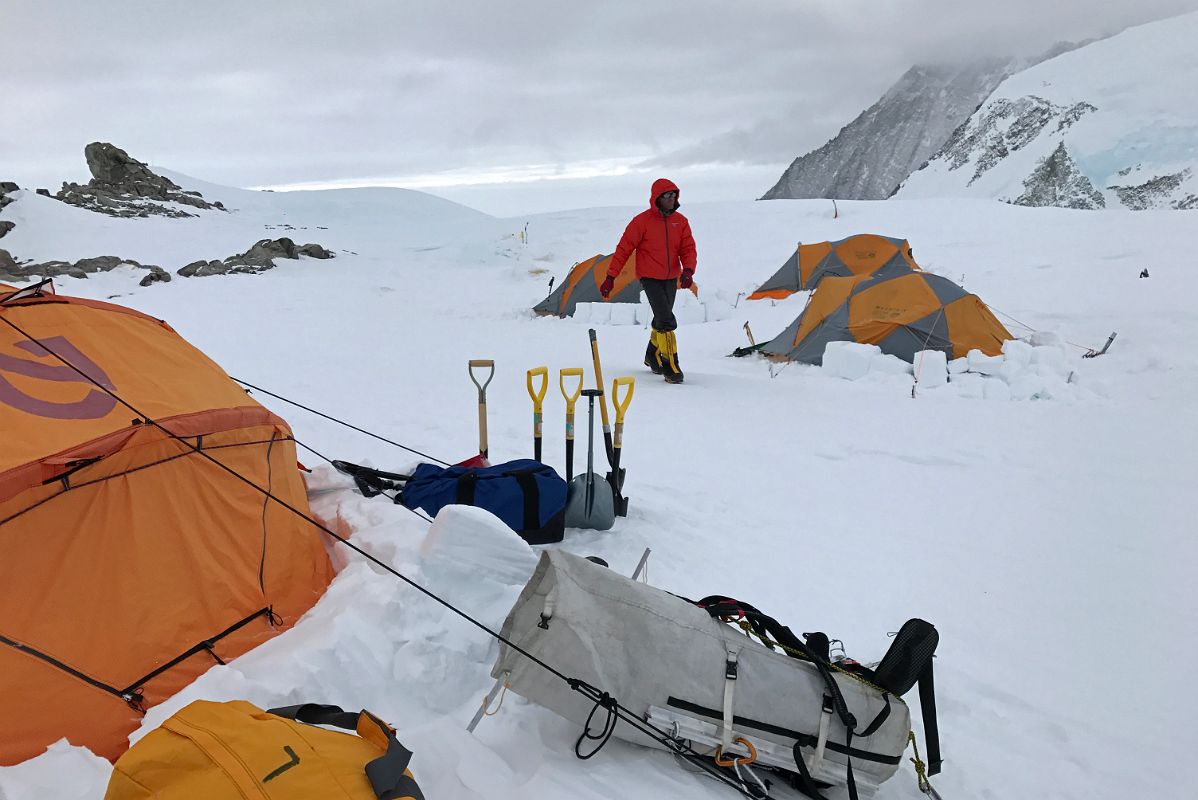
column 810, row 257
column 830, row 296
column 663, row 244
column 37, row 390
column 580, row 271
column 874, row 312
column 771, row 294
column 221, row 751
column 126, row 563
column 974, row 327
column 864, row 253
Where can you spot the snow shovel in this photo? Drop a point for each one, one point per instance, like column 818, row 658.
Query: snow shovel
column 616, row 476
column 482, row 401
column 571, row 399
column 602, row 400
column 589, row 501
column 538, row 397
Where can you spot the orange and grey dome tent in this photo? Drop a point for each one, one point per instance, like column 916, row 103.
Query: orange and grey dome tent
column 130, row 562
column 582, row 286
column 901, row 313
column 863, row 254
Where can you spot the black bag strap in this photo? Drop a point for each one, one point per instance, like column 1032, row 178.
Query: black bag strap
column 466, row 484
column 931, row 730
column 371, row 482
column 388, row 773
column 532, row 497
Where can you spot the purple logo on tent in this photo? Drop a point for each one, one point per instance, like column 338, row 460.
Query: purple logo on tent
column 95, row 405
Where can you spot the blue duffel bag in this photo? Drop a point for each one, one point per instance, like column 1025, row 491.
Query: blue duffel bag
column 527, row 495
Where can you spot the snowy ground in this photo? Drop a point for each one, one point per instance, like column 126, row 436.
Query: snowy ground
column 1050, row 541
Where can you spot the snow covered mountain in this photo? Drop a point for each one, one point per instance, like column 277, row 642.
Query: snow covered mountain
column 1110, row 125
column 876, row 151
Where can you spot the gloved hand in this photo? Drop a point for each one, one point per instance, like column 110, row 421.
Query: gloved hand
column 688, row 277
column 608, row 284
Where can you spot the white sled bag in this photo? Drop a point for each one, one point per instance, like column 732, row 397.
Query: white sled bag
column 692, row 677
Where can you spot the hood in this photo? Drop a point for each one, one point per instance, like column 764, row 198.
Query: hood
column 660, row 186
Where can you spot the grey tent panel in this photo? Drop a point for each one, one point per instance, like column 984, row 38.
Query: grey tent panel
column 786, row 278
column 585, row 292
column 811, row 350
column 946, row 291
column 929, row 333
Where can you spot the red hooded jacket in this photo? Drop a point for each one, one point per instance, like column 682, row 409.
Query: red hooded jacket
column 663, row 242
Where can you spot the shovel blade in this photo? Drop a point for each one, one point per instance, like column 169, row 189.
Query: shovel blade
column 590, row 503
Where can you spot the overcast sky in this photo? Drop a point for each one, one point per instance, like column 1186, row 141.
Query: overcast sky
column 511, row 106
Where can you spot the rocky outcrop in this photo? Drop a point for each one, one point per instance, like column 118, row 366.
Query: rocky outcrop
column 1057, row 181
column 6, row 187
column 11, row 271
column 258, row 258
column 122, row 186
column 1007, row 126
column 872, row 155
column 1157, row 192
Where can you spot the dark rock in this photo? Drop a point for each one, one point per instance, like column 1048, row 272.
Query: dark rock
column 157, row 275
column 8, row 186
column 1155, row 193
column 6, row 226
column 44, row 192
column 101, row 263
column 122, row 186
column 1057, row 181
column 201, row 269
column 7, row 262
column 314, row 251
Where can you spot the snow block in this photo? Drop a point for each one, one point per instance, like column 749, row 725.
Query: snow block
column 995, row 390
column 970, row 385
column 465, row 543
column 1017, row 352
column 1045, row 339
column 1050, row 361
column 958, row 366
column 983, row 364
column 849, row 360
column 886, row 364
column 623, row 314
column 931, row 368
column 1027, row 387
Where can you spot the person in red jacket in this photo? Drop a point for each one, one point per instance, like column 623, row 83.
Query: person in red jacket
column 665, row 261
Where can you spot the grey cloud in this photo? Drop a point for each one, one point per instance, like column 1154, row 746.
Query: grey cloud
column 285, row 91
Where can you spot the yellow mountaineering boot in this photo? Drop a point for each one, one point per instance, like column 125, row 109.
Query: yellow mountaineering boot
column 669, row 358
column 653, row 353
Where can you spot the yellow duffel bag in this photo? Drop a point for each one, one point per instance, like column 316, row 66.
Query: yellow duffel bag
column 235, row 751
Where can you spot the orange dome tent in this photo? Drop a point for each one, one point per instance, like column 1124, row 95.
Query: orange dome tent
column 131, row 563
column 862, row 254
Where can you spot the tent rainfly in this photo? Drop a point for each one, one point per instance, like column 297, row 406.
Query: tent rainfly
column 863, row 254
column 131, row 562
column 901, row 313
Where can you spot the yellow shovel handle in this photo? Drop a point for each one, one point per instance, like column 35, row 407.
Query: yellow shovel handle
column 621, row 406
column 571, row 398
column 538, row 395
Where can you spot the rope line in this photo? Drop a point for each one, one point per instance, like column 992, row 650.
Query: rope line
column 393, row 498
column 592, row 693
column 341, row 422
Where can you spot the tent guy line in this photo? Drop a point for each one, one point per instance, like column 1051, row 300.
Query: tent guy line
column 598, row 696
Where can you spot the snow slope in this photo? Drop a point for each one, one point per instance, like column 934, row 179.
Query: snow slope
column 1110, row 125
column 875, row 152
column 1051, row 542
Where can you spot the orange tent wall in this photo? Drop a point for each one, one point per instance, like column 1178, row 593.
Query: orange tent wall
column 118, row 564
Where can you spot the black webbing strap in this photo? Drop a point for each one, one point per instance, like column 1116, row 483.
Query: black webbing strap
column 466, row 484
column 532, row 497
column 371, row 482
column 931, row 730
column 388, row 773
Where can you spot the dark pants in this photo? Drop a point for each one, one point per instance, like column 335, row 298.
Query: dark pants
column 661, row 300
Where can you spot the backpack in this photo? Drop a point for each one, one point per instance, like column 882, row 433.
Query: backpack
column 235, row 750
column 530, row 497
